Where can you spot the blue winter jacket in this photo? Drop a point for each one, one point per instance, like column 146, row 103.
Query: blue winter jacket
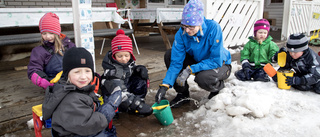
column 206, row 49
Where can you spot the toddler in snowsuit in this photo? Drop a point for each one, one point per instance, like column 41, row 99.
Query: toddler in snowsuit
column 72, row 104
column 257, row 53
column 46, row 60
column 305, row 63
column 119, row 66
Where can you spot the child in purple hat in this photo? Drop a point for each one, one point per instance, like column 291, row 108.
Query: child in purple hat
column 198, row 50
column 257, row 52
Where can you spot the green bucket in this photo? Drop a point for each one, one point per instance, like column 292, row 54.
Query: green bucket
column 164, row 115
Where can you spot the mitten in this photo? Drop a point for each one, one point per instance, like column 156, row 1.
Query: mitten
column 114, row 99
column 183, row 76
column 107, row 110
column 161, row 92
column 247, row 70
column 39, row 81
column 110, row 85
column 295, row 80
column 141, row 71
column 111, row 104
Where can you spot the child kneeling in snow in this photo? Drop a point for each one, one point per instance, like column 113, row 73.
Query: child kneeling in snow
column 305, row 63
column 119, row 66
column 257, row 53
column 72, row 104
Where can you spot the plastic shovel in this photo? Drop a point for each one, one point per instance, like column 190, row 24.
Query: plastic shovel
column 160, row 107
column 282, row 57
column 57, row 77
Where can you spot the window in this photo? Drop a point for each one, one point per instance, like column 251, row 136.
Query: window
column 2, row 3
column 176, row 2
column 156, row 1
column 276, row 1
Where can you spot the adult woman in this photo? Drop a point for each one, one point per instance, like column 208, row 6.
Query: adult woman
column 198, row 48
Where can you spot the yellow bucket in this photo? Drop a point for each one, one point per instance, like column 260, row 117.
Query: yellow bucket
column 282, row 79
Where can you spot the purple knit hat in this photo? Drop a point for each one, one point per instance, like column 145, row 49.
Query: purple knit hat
column 193, row 13
column 261, row 24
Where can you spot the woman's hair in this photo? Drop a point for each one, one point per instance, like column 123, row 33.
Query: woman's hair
column 58, row 45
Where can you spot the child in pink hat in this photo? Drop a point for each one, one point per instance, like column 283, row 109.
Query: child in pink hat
column 46, row 59
column 120, row 67
column 257, row 52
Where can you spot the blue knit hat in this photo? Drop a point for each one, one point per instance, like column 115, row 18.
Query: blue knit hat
column 193, row 13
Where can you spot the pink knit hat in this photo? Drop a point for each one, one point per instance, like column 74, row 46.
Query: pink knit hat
column 121, row 43
column 261, row 24
column 50, row 23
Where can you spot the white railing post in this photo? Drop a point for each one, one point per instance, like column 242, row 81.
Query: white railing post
column 261, row 8
column 310, row 19
column 286, row 19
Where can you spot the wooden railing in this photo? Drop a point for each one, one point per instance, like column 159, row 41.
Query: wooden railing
column 300, row 17
column 236, row 18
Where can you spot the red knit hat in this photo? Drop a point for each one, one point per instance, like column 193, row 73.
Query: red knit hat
column 261, row 24
column 121, row 43
column 50, row 23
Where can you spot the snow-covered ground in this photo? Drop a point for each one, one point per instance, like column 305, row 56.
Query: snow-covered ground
column 247, row 109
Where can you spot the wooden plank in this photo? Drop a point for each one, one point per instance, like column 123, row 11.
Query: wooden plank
column 19, row 109
column 164, row 36
column 14, row 124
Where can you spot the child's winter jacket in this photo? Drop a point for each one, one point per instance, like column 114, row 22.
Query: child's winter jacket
column 73, row 110
column 258, row 55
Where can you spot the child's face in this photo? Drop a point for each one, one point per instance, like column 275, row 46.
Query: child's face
column 261, row 34
column 80, row 76
column 48, row 36
column 123, row 57
column 296, row 55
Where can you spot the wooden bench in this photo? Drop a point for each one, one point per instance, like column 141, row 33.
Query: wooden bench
column 36, row 37
column 29, row 17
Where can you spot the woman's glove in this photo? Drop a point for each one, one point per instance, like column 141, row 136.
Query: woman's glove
column 161, row 92
column 295, row 80
column 141, row 71
column 183, row 76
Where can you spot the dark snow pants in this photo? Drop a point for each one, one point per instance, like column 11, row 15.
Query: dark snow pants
column 210, row 80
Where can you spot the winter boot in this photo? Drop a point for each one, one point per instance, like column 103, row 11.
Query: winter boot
column 136, row 105
column 260, row 75
column 240, row 75
column 212, row 94
column 180, row 99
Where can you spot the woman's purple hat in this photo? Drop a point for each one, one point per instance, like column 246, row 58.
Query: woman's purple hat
column 193, row 13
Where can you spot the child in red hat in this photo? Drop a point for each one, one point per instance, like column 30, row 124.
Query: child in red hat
column 46, row 60
column 257, row 52
column 119, row 67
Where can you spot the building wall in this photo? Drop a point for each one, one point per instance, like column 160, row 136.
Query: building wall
column 48, row 3
column 275, row 12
